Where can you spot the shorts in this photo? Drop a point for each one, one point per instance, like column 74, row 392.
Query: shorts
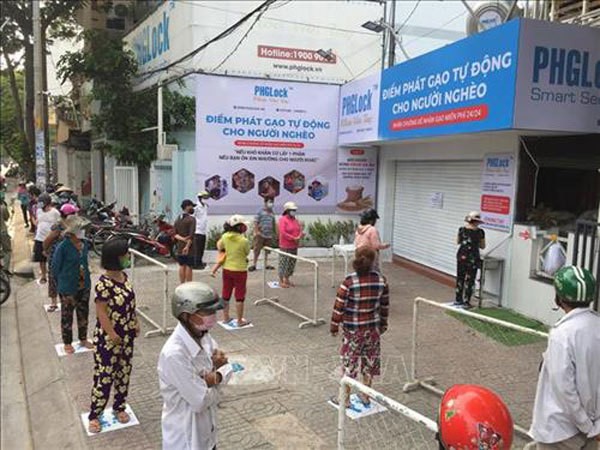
column 234, row 281
column 38, row 252
column 260, row 242
column 185, row 260
column 361, row 349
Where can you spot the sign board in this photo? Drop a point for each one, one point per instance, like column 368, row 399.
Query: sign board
column 436, row 200
column 497, row 191
column 258, row 138
column 40, row 159
column 359, row 110
column 283, row 44
column 356, row 179
column 558, row 79
column 462, row 88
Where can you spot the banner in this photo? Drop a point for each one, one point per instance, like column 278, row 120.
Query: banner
column 356, row 179
column 258, row 138
column 497, row 191
column 359, row 110
column 558, row 81
column 465, row 87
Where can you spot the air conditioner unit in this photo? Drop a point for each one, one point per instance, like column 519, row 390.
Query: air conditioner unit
column 165, row 151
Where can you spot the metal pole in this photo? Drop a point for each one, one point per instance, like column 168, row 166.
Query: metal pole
column 342, row 398
column 264, row 287
column 316, row 292
column 392, row 38
column 413, row 351
column 160, row 115
column 384, row 39
column 165, row 301
column 38, row 81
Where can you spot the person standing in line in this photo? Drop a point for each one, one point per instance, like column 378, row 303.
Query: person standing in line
column 361, row 308
column 566, row 412
column 366, row 235
column 116, row 329
column 185, row 227
column 470, row 240
column 290, row 234
column 201, row 215
column 34, row 193
column 24, row 198
column 235, row 273
column 264, row 231
column 191, row 370
column 50, row 243
column 71, row 269
column 46, row 217
column 5, row 241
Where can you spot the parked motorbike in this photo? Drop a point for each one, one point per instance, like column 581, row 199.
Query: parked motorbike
column 166, row 234
column 137, row 241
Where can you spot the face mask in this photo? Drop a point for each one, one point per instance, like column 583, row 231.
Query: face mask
column 207, row 323
column 80, row 234
column 292, row 213
column 125, row 262
column 269, row 205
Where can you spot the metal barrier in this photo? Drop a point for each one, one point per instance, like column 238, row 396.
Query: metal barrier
column 428, row 383
column 346, row 251
column 158, row 329
column 314, row 321
column 379, row 397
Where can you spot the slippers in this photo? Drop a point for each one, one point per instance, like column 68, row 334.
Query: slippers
column 228, row 322
column 243, row 323
column 43, row 281
column 122, row 416
column 95, row 426
column 52, row 308
column 270, row 268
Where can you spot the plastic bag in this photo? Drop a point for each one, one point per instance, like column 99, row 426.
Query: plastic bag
column 555, row 259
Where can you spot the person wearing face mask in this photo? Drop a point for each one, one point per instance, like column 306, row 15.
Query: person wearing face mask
column 290, row 233
column 72, row 273
column 201, row 215
column 264, row 230
column 116, row 329
column 185, row 226
column 191, row 370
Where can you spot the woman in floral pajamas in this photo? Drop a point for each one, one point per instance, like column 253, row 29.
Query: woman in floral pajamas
column 116, row 329
column 361, row 307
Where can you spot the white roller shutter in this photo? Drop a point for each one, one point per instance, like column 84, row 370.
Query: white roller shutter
column 424, row 232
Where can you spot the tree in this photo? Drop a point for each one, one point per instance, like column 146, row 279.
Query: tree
column 16, row 42
column 123, row 112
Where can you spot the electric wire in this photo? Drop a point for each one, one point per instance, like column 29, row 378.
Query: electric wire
column 429, row 33
column 409, row 16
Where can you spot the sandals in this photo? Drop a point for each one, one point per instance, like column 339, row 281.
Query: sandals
column 69, row 349
column 270, row 268
column 243, row 323
column 365, row 399
column 52, row 308
column 336, row 401
column 43, row 280
column 122, row 416
column 86, row 344
column 95, row 426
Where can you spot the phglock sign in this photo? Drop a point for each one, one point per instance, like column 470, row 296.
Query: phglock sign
column 359, row 110
column 497, row 191
column 258, row 138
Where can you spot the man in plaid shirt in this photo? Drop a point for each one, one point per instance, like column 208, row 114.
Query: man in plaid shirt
column 361, row 307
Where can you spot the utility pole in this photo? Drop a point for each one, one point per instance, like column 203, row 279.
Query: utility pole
column 392, row 38
column 41, row 173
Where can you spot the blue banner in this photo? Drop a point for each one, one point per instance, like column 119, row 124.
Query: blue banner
column 468, row 86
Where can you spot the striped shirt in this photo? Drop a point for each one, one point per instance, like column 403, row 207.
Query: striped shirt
column 362, row 302
column 266, row 222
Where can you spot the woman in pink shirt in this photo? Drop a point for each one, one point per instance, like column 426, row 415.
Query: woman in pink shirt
column 290, row 233
column 367, row 235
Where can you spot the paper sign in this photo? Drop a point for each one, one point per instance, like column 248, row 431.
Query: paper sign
column 497, row 191
column 436, row 200
column 358, row 410
column 233, row 325
column 109, row 422
column 60, row 349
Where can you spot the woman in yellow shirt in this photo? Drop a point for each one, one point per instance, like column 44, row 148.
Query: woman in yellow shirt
column 235, row 269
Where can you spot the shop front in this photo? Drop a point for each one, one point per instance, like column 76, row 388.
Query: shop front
column 506, row 122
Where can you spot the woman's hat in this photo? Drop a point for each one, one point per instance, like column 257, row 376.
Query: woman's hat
column 236, row 219
column 63, row 189
column 289, row 206
column 474, row 216
column 203, row 194
column 73, row 224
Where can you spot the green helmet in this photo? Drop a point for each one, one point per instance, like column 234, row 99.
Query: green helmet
column 194, row 296
column 575, row 285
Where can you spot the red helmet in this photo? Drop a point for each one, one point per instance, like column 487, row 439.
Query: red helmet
column 474, row 418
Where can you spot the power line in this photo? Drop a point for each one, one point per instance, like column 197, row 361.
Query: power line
column 418, row 38
column 220, row 36
column 377, row 61
column 409, row 16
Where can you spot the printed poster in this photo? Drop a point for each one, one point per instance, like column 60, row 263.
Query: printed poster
column 261, row 138
column 357, row 179
column 497, row 191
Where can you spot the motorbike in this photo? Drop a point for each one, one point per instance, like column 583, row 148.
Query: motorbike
column 165, row 234
column 138, row 241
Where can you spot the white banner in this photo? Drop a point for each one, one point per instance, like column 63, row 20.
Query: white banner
column 558, row 78
column 359, row 110
column 258, row 138
column 356, row 179
column 497, row 191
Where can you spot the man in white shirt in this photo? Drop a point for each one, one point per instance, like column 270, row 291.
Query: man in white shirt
column 566, row 414
column 191, row 368
column 201, row 215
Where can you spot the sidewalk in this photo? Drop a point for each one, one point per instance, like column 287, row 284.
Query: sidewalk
column 280, row 400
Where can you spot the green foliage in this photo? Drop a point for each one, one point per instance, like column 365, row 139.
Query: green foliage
column 214, row 234
column 124, row 113
column 326, row 234
column 12, row 140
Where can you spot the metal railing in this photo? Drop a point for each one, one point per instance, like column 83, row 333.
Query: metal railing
column 346, row 251
column 379, row 397
column 158, row 328
column 314, row 321
column 428, row 383
column 586, row 251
